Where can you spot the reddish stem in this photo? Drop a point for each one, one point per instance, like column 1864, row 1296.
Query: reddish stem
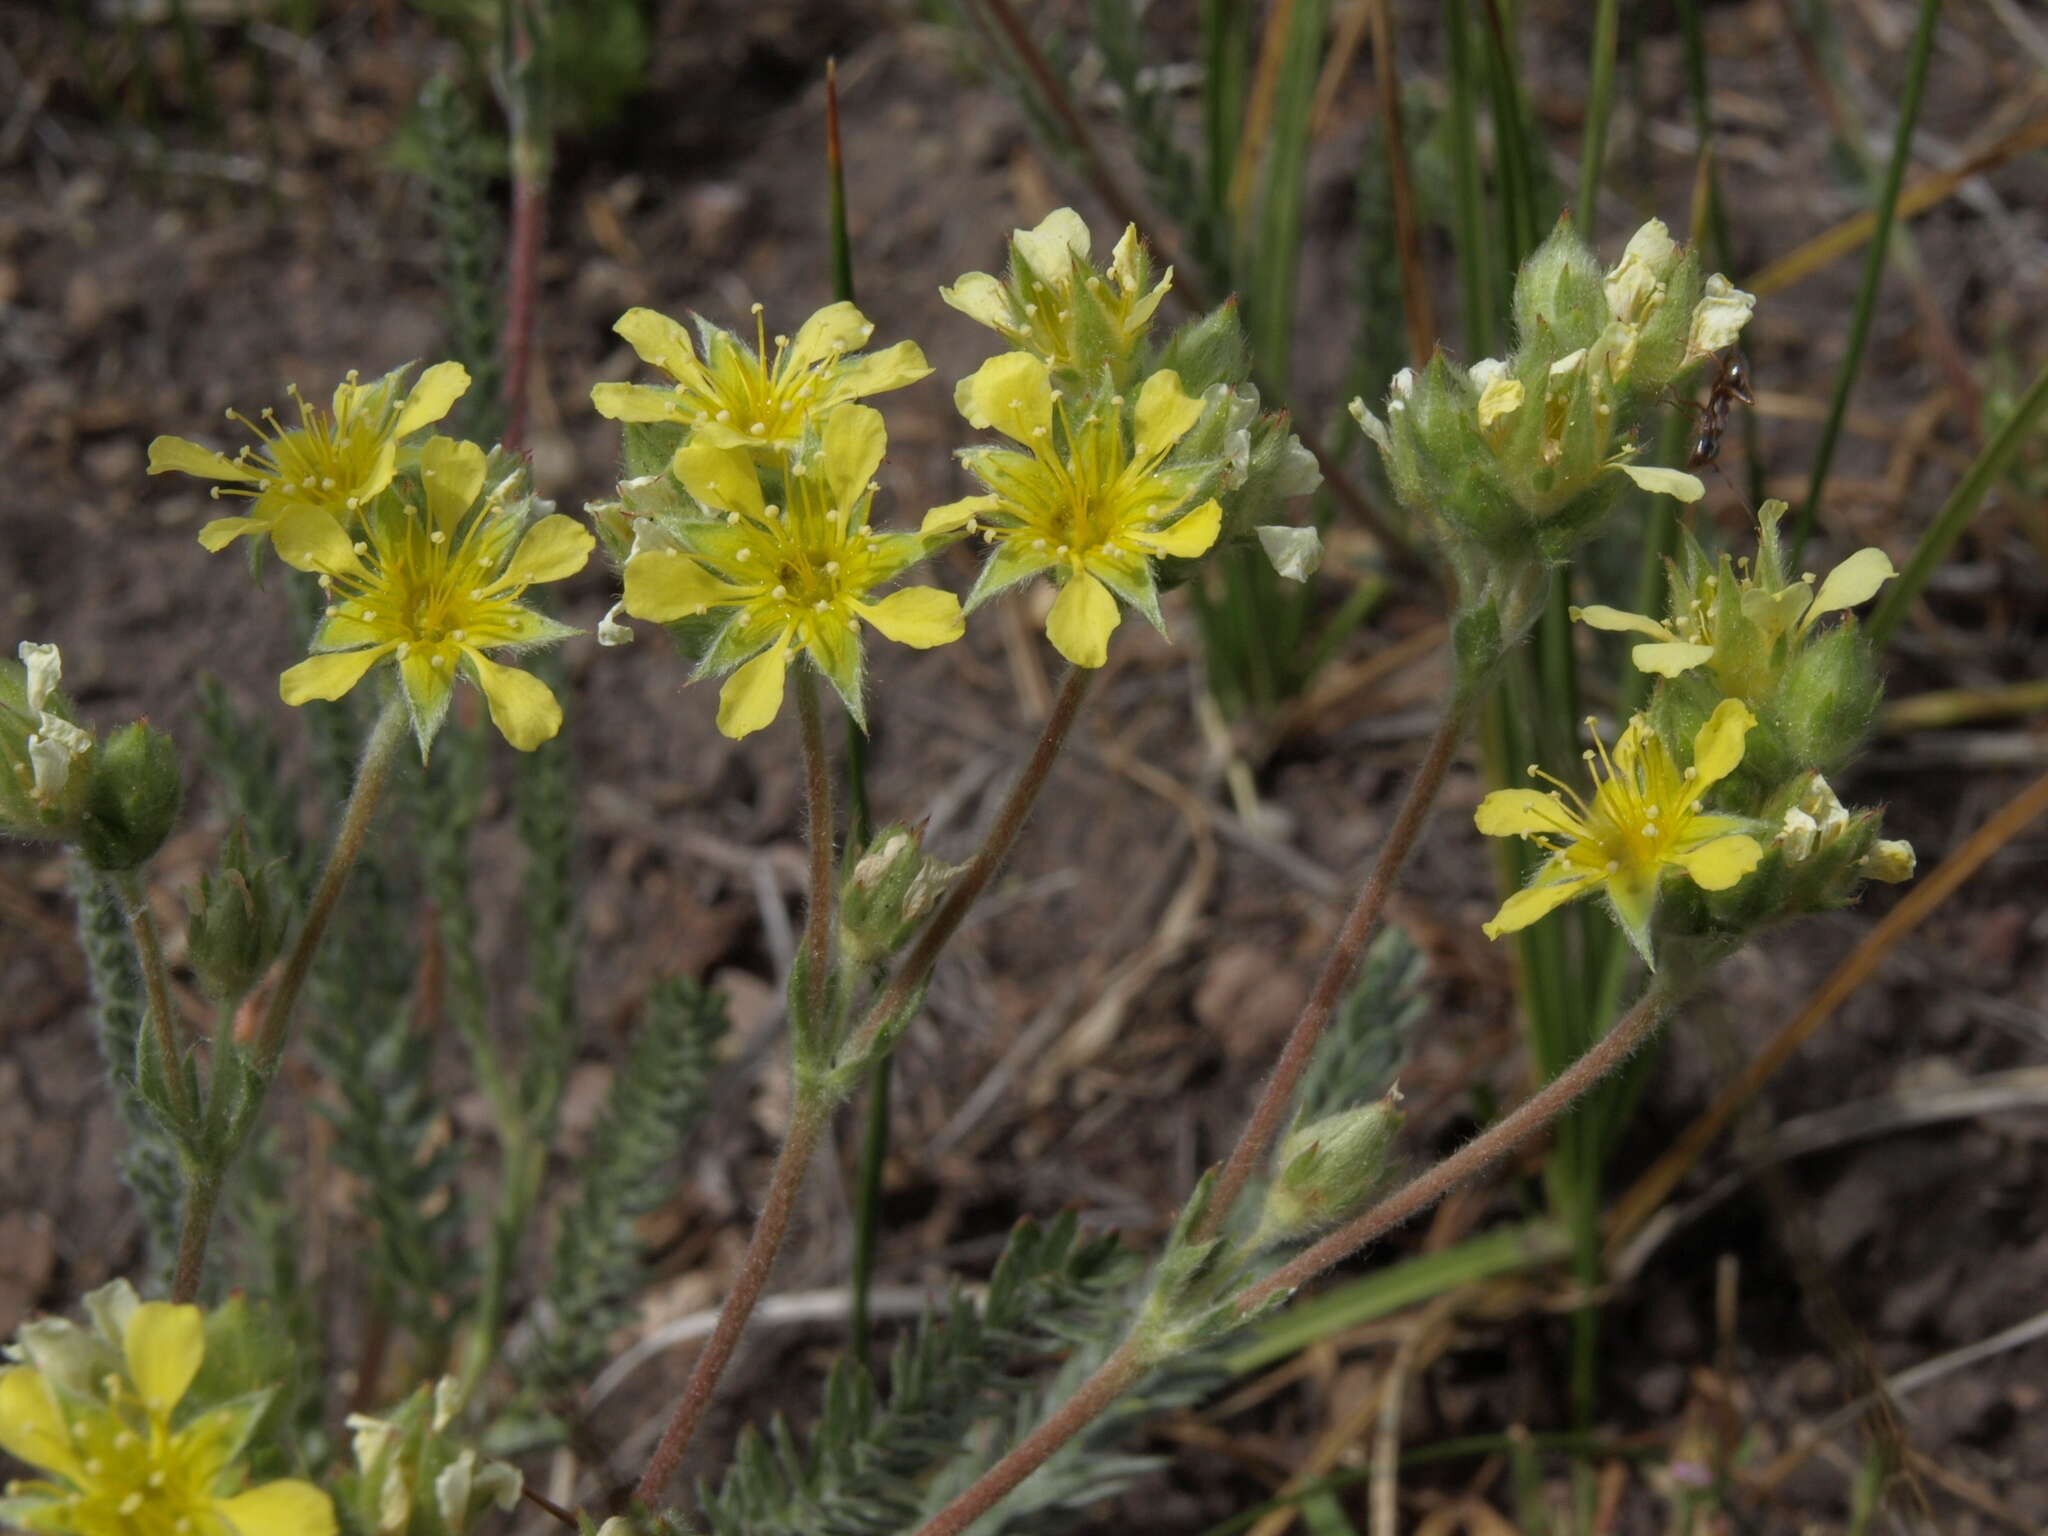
column 1358, row 927
column 759, row 1262
column 529, row 196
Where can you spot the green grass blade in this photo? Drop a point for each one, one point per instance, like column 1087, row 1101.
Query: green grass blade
column 1599, row 106
column 1388, row 1290
column 1956, row 512
column 1476, row 270
column 1873, row 269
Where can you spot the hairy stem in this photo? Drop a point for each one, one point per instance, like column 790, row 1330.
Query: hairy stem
column 373, row 772
column 1271, row 1110
column 202, row 1191
column 916, row 967
column 806, row 1124
column 818, row 908
column 1110, row 1381
column 1498, row 1139
column 1118, row 1372
column 149, row 950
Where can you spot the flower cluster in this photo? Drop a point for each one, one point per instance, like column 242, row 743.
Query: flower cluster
column 1125, row 465
column 1773, row 701
column 1517, row 459
column 108, row 1415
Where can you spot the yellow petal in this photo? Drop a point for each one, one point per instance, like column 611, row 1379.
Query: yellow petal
column 1719, row 863
column 1533, row 901
column 752, row 696
column 32, row 1427
column 1501, row 397
column 1012, row 393
column 554, row 547
column 1615, row 620
column 438, row 389
column 666, row 584
column 853, row 441
column 454, row 474
column 223, row 531
column 1165, row 412
column 837, row 328
column 1082, row 619
column 1718, row 746
column 980, row 298
column 174, row 455
column 721, row 478
column 660, row 341
column 1671, row 482
column 1523, row 813
column 1854, row 581
column 164, row 1344
column 1669, row 660
column 919, row 616
column 524, row 711
column 311, row 539
column 286, row 1508
column 1195, row 534
column 329, row 677
column 1047, row 248
column 879, row 372
column 955, row 515
column 634, row 402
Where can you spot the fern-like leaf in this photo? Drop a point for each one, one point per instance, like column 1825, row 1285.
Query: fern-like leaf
column 655, row 1099
column 862, row 1469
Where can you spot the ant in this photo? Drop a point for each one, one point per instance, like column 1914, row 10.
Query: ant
column 1730, row 384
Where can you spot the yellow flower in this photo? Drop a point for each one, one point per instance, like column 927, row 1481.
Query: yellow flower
column 117, row 1465
column 1646, row 816
column 744, row 397
column 792, row 578
column 1050, row 278
column 321, row 473
column 1776, row 610
column 1085, row 502
column 434, row 589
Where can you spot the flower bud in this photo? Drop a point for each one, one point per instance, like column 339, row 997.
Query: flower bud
column 1891, row 860
column 133, row 802
column 1561, row 289
column 1827, row 698
column 1327, row 1169
column 238, row 922
column 891, row 889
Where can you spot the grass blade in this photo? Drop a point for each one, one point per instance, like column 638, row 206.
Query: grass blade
column 1873, row 269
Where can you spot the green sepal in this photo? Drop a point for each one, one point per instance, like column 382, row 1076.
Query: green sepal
column 137, row 789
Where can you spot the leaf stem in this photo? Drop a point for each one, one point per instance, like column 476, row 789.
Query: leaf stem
column 1359, row 924
column 916, row 967
column 806, row 1124
column 202, row 1193
column 1498, row 1139
column 373, row 772
column 1111, row 1379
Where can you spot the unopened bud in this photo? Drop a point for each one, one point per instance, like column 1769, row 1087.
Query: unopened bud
column 238, row 921
column 133, row 803
column 1891, row 860
column 1328, row 1168
column 1561, row 288
column 891, row 889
